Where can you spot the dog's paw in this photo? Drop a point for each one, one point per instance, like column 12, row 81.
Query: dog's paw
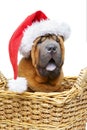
column 19, row 85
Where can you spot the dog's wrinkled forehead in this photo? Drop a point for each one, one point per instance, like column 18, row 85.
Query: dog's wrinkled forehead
column 41, row 39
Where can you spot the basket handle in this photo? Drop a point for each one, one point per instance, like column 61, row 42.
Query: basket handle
column 82, row 79
column 78, row 86
column 81, row 82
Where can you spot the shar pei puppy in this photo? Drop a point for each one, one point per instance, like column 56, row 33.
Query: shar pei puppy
column 41, row 42
column 43, row 69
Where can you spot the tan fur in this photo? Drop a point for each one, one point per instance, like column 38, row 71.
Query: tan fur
column 27, row 68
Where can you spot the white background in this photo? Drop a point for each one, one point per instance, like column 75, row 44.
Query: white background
column 73, row 12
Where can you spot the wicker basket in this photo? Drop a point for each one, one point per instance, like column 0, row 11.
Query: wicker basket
column 65, row 110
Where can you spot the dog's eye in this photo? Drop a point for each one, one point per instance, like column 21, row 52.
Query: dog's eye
column 57, row 39
column 42, row 39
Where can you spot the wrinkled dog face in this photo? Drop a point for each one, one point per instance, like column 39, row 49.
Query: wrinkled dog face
column 49, row 56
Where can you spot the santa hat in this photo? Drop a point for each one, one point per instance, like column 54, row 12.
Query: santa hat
column 33, row 26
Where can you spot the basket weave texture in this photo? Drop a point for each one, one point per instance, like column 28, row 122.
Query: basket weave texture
column 66, row 110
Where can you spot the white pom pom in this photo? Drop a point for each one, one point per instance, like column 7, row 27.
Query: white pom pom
column 19, row 85
column 64, row 30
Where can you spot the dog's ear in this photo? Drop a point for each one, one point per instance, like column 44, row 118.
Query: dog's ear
column 62, row 37
column 37, row 40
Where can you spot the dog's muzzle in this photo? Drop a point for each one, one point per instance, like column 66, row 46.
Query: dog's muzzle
column 50, row 59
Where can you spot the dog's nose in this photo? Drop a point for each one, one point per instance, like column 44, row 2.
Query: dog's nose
column 51, row 48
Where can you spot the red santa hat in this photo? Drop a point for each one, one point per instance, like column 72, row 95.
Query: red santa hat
column 35, row 25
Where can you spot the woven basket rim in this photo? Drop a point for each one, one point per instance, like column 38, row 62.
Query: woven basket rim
column 62, row 97
column 58, row 97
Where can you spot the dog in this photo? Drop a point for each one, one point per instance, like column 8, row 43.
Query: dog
column 41, row 42
column 43, row 69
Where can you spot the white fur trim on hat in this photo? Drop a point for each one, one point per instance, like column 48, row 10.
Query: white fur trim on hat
column 40, row 29
column 19, row 85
